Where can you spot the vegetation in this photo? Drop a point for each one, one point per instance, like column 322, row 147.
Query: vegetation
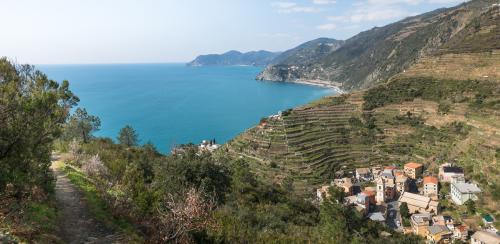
column 406, row 89
column 258, row 188
column 33, row 110
column 405, row 212
column 81, row 125
column 128, row 137
column 374, row 56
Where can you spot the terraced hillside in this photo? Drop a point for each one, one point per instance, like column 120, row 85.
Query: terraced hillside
column 444, row 108
column 412, row 118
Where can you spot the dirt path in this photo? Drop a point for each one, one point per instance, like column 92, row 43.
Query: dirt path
column 76, row 222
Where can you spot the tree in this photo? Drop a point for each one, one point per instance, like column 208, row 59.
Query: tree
column 128, row 137
column 471, row 206
column 82, row 125
column 403, row 209
column 33, row 110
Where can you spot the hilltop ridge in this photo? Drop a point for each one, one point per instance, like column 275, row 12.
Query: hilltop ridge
column 255, row 58
column 375, row 55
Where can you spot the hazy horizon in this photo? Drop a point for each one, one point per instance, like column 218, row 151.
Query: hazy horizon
column 153, row 31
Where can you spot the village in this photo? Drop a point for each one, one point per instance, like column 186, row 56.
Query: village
column 409, row 199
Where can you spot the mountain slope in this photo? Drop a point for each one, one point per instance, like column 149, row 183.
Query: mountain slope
column 308, row 52
column 377, row 54
column 257, row 58
column 444, row 108
column 305, row 54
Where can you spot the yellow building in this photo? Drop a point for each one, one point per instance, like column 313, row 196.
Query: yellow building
column 414, row 170
column 419, row 223
column 439, row 234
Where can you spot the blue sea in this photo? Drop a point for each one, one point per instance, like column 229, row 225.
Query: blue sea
column 171, row 104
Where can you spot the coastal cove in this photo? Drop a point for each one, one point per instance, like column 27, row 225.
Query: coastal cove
column 171, row 104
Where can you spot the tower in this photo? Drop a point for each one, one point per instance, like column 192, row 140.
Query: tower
column 380, row 191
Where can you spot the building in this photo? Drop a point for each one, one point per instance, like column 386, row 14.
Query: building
column 401, row 183
column 443, row 220
column 461, row 192
column 208, row 146
column 419, row 223
column 387, row 175
column 418, row 203
column 431, row 186
column 377, row 217
column 484, row 237
column 438, row 234
column 386, row 187
column 461, row 232
column 322, row 192
column 345, row 184
column 414, row 170
column 371, row 196
column 380, row 197
column 363, row 174
column 447, row 171
column 376, row 170
column 488, row 219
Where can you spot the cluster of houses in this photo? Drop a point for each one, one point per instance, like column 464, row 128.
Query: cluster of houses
column 208, row 146
column 389, row 187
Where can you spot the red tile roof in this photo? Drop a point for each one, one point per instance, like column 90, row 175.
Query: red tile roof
column 413, row 165
column 430, row 179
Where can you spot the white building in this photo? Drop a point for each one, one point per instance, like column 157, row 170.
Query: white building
column 363, row 174
column 484, row 237
column 431, row 186
column 447, row 172
column 380, row 197
column 461, row 192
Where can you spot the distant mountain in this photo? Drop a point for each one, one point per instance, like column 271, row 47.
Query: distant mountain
column 256, row 58
column 376, row 55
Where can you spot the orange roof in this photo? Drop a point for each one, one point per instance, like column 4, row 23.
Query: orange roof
column 369, row 193
column 390, row 167
column 430, row 179
column 462, row 228
column 413, row 165
column 396, row 173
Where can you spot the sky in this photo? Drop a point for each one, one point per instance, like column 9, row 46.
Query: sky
column 155, row 31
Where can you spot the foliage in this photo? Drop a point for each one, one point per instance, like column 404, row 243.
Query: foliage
column 128, row 137
column 81, row 125
column 403, row 209
column 181, row 217
column 471, row 206
column 407, row 89
column 32, row 112
column 97, row 205
column 444, row 107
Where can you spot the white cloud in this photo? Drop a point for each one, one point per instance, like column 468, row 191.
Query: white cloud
column 372, row 15
column 292, row 7
column 329, row 26
column 392, row 2
column 447, row 1
column 324, row 2
column 340, row 18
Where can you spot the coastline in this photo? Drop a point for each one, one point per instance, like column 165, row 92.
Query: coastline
column 321, row 83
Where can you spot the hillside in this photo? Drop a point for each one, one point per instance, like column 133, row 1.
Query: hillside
column 377, row 54
column 305, row 54
column 444, row 108
column 256, row 58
